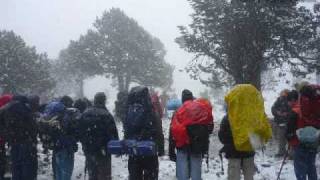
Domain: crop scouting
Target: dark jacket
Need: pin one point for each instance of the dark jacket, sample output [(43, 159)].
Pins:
[(96, 128), (281, 106), (19, 121), (225, 137)]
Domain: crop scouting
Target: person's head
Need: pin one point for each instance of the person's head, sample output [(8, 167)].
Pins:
[(122, 95), (140, 95), (284, 93), (67, 101), (20, 98), (80, 104), (88, 102), (186, 95), (100, 99), (308, 91), (301, 84), (292, 97), (34, 102)]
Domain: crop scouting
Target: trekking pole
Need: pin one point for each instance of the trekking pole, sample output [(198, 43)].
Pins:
[(283, 162), (207, 161), (221, 160)]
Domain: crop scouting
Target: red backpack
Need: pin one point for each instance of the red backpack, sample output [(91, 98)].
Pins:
[(193, 112), (310, 105)]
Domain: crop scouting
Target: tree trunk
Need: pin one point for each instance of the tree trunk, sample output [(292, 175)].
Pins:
[(127, 83), (121, 85), (81, 88), (318, 76)]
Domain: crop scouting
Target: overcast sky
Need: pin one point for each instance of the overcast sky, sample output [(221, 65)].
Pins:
[(51, 24)]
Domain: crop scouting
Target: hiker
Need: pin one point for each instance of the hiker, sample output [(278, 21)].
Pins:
[(21, 134), (142, 124), (121, 106), (280, 111), (5, 99), (96, 128), (245, 114), (157, 106), (81, 105), (190, 128), (59, 124), (164, 97), (304, 121)]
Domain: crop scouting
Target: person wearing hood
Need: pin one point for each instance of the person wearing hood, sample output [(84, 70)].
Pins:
[(21, 135), (96, 128)]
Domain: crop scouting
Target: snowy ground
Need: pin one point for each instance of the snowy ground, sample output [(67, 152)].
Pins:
[(267, 165)]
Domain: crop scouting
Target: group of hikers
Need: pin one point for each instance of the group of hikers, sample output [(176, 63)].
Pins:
[(62, 123), (297, 118)]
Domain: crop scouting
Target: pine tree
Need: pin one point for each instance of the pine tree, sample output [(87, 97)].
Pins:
[(238, 40)]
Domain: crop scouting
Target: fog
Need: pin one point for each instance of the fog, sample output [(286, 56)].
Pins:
[(50, 25)]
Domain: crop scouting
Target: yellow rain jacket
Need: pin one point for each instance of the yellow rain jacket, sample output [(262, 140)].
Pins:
[(248, 121)]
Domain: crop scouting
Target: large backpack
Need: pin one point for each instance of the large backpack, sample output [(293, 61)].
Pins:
[(58, 127), (139, 121), (93, 130), (310, 103)]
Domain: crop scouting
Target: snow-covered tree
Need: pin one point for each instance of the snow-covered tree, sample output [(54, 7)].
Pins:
[(78, 62), (22, 69), (129, 53), (238, 40)]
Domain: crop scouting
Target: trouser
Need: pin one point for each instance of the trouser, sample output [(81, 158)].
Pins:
[(2, 161), (304, 163), (188, 165), (99, 166), (236, 165), (282, 141), (24, 161), (143, 167), (62, 164)]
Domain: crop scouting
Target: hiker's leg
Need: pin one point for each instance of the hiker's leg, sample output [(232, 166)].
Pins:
[(182, 165), (29, 165), (104, 167), (282, 141), (151, 168), (248, 168), (91, 163), (195, 167), (234, 166), (300, 164), (2, 161), (135, 169), (312, 171)]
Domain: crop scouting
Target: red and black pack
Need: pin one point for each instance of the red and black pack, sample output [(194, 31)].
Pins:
[(310, 105)]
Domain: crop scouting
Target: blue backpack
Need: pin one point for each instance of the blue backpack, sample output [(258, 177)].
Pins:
[(135, 121), (63, 136), (132, 147), (173, 104)]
